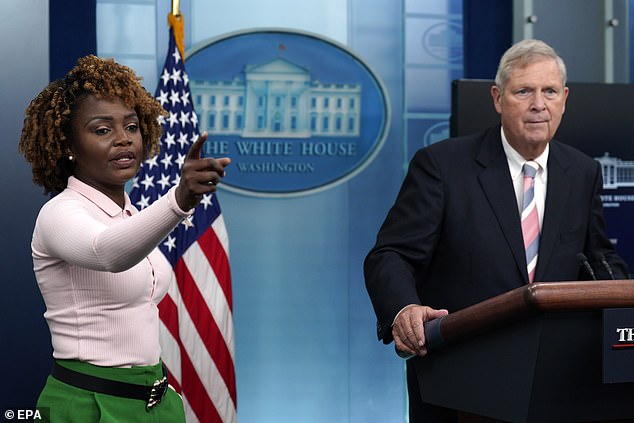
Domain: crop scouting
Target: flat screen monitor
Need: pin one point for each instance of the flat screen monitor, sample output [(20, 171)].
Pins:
[(599, 118)]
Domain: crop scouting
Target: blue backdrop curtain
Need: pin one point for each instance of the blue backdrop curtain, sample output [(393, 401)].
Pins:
[(488, 32), (72, 32)]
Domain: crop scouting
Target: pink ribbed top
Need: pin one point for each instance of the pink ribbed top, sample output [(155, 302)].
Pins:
[(101, 275)]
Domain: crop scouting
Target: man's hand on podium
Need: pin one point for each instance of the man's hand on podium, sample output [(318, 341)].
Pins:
[(408, 331)]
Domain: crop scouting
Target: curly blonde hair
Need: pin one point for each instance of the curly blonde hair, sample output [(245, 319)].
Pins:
[(46, 134)]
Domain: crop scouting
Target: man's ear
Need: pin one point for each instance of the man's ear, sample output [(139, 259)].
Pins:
[(496, 95), (566, 91)]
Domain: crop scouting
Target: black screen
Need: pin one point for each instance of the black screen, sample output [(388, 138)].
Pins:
[(599, 118)]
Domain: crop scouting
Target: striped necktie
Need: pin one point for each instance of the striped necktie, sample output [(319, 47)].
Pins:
[(530, 218)]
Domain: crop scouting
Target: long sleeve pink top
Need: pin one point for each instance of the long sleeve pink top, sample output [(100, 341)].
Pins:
[(102, 276)]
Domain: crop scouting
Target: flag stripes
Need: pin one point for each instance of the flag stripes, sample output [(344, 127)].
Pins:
[(201, 317)]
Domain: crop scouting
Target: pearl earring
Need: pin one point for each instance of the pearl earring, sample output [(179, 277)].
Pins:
[(71, 158)]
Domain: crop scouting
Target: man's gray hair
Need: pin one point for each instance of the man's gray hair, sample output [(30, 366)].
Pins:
[(523, 53)]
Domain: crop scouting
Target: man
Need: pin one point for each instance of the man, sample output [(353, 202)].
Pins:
[(459, 231)]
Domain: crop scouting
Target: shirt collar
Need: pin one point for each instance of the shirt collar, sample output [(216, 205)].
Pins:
[(100, 199), (516, 161)]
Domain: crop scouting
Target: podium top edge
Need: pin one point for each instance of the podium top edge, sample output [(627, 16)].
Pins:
[(579, 295), (535, 298)]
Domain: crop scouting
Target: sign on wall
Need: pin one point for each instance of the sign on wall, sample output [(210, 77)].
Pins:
[(296, 112)]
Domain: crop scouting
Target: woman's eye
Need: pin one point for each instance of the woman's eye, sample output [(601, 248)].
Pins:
[(102, 131), (133, 127)]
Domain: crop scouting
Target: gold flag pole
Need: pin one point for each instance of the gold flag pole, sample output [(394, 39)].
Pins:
[(176, 4), (176, 21)]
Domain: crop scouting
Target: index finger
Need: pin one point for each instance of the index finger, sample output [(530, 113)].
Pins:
[(194, 150)]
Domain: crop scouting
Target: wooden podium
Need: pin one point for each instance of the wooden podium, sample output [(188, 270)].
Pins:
[(533, 354)]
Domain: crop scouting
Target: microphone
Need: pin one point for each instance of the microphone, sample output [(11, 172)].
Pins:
[(586, 264), (605, 264)]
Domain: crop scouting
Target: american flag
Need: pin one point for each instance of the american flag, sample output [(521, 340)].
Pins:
[(196, 315)]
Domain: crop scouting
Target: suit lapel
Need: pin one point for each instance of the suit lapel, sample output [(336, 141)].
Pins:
[(497, 186), (557, 191)]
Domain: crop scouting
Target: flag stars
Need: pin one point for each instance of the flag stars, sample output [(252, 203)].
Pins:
[(148, 181), (177, 56), (164, 182), (180, 160), (170, 140), (170, 243), (188, 222), (182, 139), (162, 97), (184, 118), (206, 201), (173, 119), (143, 202), (152, 162), (176, 76), (185, 99), (174, 98), (165, 76), (194, 118), (166, 161)]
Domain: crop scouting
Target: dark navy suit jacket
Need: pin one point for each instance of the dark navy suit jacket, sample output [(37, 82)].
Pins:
[(453, 237)]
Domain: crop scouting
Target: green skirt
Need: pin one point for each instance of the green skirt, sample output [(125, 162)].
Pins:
[(63, 403)]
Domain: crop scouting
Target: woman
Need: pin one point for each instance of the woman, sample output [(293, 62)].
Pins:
[(94, 255)]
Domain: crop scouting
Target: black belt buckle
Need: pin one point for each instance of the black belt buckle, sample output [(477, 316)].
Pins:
[(157, 392)]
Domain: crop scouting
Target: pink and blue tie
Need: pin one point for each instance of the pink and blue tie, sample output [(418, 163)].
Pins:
[(530, 219)]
